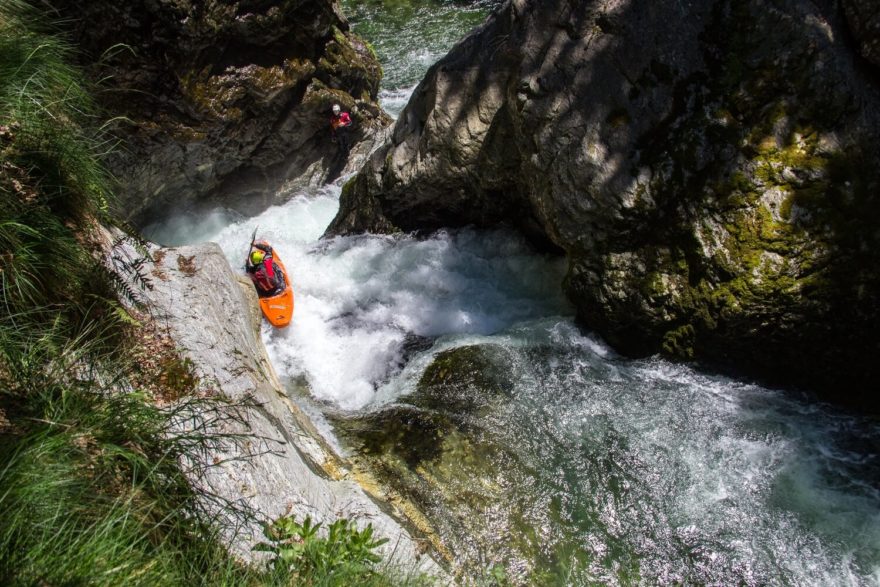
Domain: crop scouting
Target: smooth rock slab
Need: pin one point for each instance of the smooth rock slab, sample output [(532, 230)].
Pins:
[(212, 315)]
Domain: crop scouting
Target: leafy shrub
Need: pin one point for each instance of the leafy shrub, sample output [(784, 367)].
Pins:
[(343, 555)]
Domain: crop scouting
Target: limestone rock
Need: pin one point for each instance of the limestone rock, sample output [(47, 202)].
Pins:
[(222, 103), (710, 169), (284, 467)]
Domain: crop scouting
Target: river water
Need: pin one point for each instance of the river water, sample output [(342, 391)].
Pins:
[(576, 466)]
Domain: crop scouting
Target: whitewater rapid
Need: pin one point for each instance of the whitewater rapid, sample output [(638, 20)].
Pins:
[(687, 476), (358, 300), (615, 471)]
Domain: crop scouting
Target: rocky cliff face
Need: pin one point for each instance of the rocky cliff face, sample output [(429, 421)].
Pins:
[(709, 168), (281, 466), (224, 101)]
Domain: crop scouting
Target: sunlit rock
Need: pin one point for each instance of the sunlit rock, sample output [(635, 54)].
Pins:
[(270, 459)]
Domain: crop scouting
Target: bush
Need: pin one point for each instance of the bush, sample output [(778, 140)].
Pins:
[(344, 556)]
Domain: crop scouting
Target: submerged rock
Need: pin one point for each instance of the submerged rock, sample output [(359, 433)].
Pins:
[(443, 451), (221, 103), (710, 169)]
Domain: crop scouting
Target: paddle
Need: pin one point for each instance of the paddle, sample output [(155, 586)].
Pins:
[(247, 262)]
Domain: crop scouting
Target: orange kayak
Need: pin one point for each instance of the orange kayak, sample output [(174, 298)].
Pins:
[(278, 309)]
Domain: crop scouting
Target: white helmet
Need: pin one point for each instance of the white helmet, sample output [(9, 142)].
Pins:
[(336, 109)]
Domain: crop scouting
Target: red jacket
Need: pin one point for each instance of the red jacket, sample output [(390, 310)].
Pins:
[(265, 276), (342, 120)]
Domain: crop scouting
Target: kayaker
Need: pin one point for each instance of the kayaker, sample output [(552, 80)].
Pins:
[(340, 124), (263, 271)]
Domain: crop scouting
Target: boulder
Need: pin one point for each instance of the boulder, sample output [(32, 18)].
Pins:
[(710, 169), (224, 103), (443, 448)]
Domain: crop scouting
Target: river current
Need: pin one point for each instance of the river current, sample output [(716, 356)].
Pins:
[(609, 471)]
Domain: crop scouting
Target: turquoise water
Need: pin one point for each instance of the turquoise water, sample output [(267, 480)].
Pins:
[(410, 35), (588, 468)]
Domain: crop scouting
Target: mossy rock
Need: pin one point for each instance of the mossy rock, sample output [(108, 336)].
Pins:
[(349, 63), (464, 380), (405, 432)]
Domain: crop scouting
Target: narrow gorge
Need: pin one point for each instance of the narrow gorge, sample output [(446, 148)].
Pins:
[(593, 299), (710, 172)]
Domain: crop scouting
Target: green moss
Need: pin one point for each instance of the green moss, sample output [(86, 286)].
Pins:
[(187, 134), (459, 375), (740, 182), (225, 96), (654, 285), (781, 208), (339, 36), (785, 208), (349, 62), (371, 49), (679, 342)]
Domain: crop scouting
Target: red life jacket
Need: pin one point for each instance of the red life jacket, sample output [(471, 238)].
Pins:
[(265, 276), (342, 120)]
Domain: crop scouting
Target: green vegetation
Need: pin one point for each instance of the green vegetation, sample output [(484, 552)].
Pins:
[(51, 183), (91, 445), (90, 487), (345, 554)]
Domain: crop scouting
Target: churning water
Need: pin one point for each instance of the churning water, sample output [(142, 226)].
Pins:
[(360, 299), (616, 471), (601, 469)]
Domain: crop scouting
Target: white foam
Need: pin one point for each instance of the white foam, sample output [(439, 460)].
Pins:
[(357, 298), (747, 478), (393, 101)]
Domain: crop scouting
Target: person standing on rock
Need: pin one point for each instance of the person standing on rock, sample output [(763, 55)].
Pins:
[(340, 123)]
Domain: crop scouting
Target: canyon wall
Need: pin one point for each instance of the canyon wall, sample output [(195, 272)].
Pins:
[(710, 169), (223, 102)]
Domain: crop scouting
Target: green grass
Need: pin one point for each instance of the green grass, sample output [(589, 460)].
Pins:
[(53, 187), (91, 490), (91, 486)]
